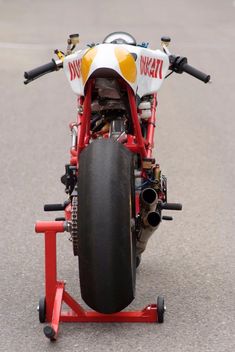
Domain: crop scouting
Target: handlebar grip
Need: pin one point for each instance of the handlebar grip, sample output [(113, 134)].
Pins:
[(41, 70), (196, 73)]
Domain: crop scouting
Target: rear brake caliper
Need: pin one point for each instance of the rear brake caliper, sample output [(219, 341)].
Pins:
[(69, 179)]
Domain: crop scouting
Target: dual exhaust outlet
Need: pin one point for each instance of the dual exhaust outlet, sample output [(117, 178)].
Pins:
[(152, 208), (151, 215), (148, 199)]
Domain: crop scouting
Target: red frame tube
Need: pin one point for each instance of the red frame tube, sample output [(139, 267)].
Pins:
[(136, 143), (151, 127), (84, 127), (138, 134)]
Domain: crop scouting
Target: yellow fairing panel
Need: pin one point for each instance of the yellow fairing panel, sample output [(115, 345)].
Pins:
[(87, 62), (127, 64)]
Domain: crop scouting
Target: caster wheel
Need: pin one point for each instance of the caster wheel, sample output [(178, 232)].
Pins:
[(160, 309), (138, 260), (42, 310), (49, 332)]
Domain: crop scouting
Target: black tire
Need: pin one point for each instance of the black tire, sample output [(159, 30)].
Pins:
[(42, 310), (160, 309), (138, 260), (106, 242)]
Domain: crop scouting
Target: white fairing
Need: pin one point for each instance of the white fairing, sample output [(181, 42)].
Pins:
[(150, 67)]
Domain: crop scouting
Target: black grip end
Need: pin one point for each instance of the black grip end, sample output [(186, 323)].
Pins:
[(41, 70), (195, 73), (207, 79), (179, 64)]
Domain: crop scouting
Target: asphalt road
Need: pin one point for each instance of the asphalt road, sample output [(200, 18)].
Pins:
[(191, 260)]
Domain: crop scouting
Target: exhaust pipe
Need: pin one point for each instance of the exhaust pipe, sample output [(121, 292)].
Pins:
[(148, 198), (152, 220), (150, 223)]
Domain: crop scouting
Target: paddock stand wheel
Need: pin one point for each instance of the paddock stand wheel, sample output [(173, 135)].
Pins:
[(49, 332), (161, 308), (42, 310)]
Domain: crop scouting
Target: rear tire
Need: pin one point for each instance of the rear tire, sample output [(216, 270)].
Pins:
[(106, 242)]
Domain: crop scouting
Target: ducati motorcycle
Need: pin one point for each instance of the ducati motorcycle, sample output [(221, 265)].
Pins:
[(116, 192)]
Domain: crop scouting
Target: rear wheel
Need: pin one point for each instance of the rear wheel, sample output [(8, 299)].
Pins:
[(106, 241)]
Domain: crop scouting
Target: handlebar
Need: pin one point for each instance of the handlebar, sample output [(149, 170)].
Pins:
[(180, 64), (41, 70)]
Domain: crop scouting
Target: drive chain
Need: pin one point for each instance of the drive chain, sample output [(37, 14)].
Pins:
[(74, 227)]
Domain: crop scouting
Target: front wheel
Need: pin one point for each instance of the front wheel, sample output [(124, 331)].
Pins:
[(107, 260)]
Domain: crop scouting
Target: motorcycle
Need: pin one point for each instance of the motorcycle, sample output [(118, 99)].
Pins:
[(116, 191)]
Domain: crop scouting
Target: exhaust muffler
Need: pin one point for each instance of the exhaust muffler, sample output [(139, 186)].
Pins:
[(150, 218), (150, 223)]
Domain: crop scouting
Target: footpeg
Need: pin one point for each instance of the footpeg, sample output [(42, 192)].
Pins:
[(171, 206), (56, 207), (168, 218)]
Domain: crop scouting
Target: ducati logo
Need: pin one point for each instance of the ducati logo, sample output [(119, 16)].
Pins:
[(75, 69), (151, 67)]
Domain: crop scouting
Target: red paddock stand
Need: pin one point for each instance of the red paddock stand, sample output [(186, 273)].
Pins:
[(50, 307)]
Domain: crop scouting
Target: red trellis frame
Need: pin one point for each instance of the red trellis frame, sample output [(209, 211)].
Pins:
[(56, 294), (136, 143)]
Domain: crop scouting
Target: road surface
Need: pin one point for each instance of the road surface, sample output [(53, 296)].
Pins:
[(191, 260)]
